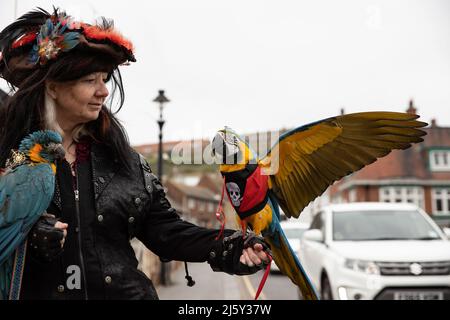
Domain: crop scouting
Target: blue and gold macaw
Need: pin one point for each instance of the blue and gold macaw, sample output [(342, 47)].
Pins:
[(299, 167), (26, 189)]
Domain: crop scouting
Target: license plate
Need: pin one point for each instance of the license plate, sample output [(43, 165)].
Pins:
[(418, 295)]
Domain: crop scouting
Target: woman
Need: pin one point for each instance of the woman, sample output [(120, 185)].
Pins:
[(105, 194)]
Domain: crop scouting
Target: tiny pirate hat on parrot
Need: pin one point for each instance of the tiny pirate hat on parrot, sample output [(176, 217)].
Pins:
[(39, 38)]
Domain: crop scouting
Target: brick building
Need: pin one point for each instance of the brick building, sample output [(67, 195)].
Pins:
[(196, 204), (152, 149)]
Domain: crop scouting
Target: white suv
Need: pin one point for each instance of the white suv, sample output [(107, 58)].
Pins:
[(293, 230), (376, 251)]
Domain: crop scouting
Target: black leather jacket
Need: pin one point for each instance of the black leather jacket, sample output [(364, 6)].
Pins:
[(114, 206)]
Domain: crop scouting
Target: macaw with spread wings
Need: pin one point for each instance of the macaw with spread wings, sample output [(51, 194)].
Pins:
[(299, 167)]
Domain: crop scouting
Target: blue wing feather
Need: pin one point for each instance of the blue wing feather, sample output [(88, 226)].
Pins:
[(285, 258), (25, 193)]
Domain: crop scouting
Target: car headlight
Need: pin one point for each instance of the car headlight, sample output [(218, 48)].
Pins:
[(368, 267)]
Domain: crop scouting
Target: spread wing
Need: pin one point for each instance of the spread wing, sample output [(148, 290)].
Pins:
[(310, 158)]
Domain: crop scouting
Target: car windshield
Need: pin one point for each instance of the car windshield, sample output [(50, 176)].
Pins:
[(294, 233), (381, 225)]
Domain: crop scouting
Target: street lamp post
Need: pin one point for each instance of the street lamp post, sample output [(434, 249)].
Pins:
[(161, 99)]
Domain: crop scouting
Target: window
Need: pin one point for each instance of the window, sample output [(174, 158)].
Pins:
[(352, 195), (338, 199), (441, 201), (369, 225), (210, 207), (191, 204), (440, 160), (402, 195)]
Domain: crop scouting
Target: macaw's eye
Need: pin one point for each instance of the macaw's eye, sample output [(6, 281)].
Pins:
[(231, 139)]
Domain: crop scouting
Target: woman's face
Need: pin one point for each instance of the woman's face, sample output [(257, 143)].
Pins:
[(81, 100)]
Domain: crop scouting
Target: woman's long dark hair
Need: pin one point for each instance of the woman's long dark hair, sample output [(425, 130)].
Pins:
[(24, 112)]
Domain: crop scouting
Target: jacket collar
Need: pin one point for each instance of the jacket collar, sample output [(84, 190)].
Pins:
[(104, 167)]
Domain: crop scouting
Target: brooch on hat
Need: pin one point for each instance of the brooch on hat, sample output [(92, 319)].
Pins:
[(52, 40), (34, 43)]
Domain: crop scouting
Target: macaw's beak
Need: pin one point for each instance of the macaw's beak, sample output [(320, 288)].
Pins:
[(217, 145), (223, 149), (58, 150)]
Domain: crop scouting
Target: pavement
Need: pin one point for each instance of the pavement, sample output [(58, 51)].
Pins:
[(209, 285)]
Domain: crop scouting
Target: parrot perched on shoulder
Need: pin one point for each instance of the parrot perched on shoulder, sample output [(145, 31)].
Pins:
[(299, 167), (26, 189)]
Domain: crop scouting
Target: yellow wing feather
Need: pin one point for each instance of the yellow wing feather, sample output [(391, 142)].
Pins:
[(312, 157)]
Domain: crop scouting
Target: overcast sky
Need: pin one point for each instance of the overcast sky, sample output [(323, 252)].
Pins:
[(262, 65)]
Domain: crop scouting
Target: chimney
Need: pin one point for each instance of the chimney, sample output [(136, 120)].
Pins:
[(342, 111), (411, 109), (433, 123)]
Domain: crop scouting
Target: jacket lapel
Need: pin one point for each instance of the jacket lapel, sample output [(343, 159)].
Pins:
[(104, 167)]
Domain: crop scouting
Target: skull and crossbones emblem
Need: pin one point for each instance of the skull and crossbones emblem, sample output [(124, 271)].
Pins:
[(235, 193)]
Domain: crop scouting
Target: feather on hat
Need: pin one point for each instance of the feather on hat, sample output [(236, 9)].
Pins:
[(38, 37)]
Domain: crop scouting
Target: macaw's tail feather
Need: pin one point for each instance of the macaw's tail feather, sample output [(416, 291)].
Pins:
[(5, 277), (289, 265), (17, 272)]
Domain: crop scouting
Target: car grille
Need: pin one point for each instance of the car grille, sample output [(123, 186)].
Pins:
[(414, 268)]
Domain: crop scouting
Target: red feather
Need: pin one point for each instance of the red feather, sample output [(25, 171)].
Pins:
[(96, 33), (25, 39)]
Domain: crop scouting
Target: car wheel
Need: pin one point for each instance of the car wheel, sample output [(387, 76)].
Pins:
[(325, 291)]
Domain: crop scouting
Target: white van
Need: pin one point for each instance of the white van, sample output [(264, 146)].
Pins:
[(376, 251)]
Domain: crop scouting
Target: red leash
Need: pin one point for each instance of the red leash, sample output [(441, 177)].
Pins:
[(264, 278)]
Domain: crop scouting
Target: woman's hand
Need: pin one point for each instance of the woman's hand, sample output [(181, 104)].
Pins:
[(240, 255), (63, 227), (47, 238), (254, 256)]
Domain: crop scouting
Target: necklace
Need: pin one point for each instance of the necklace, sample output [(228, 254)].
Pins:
[(72, 169), (73, 155)]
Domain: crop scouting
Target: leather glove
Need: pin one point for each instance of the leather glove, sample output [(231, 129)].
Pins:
[(226, 257), (45, 240)]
